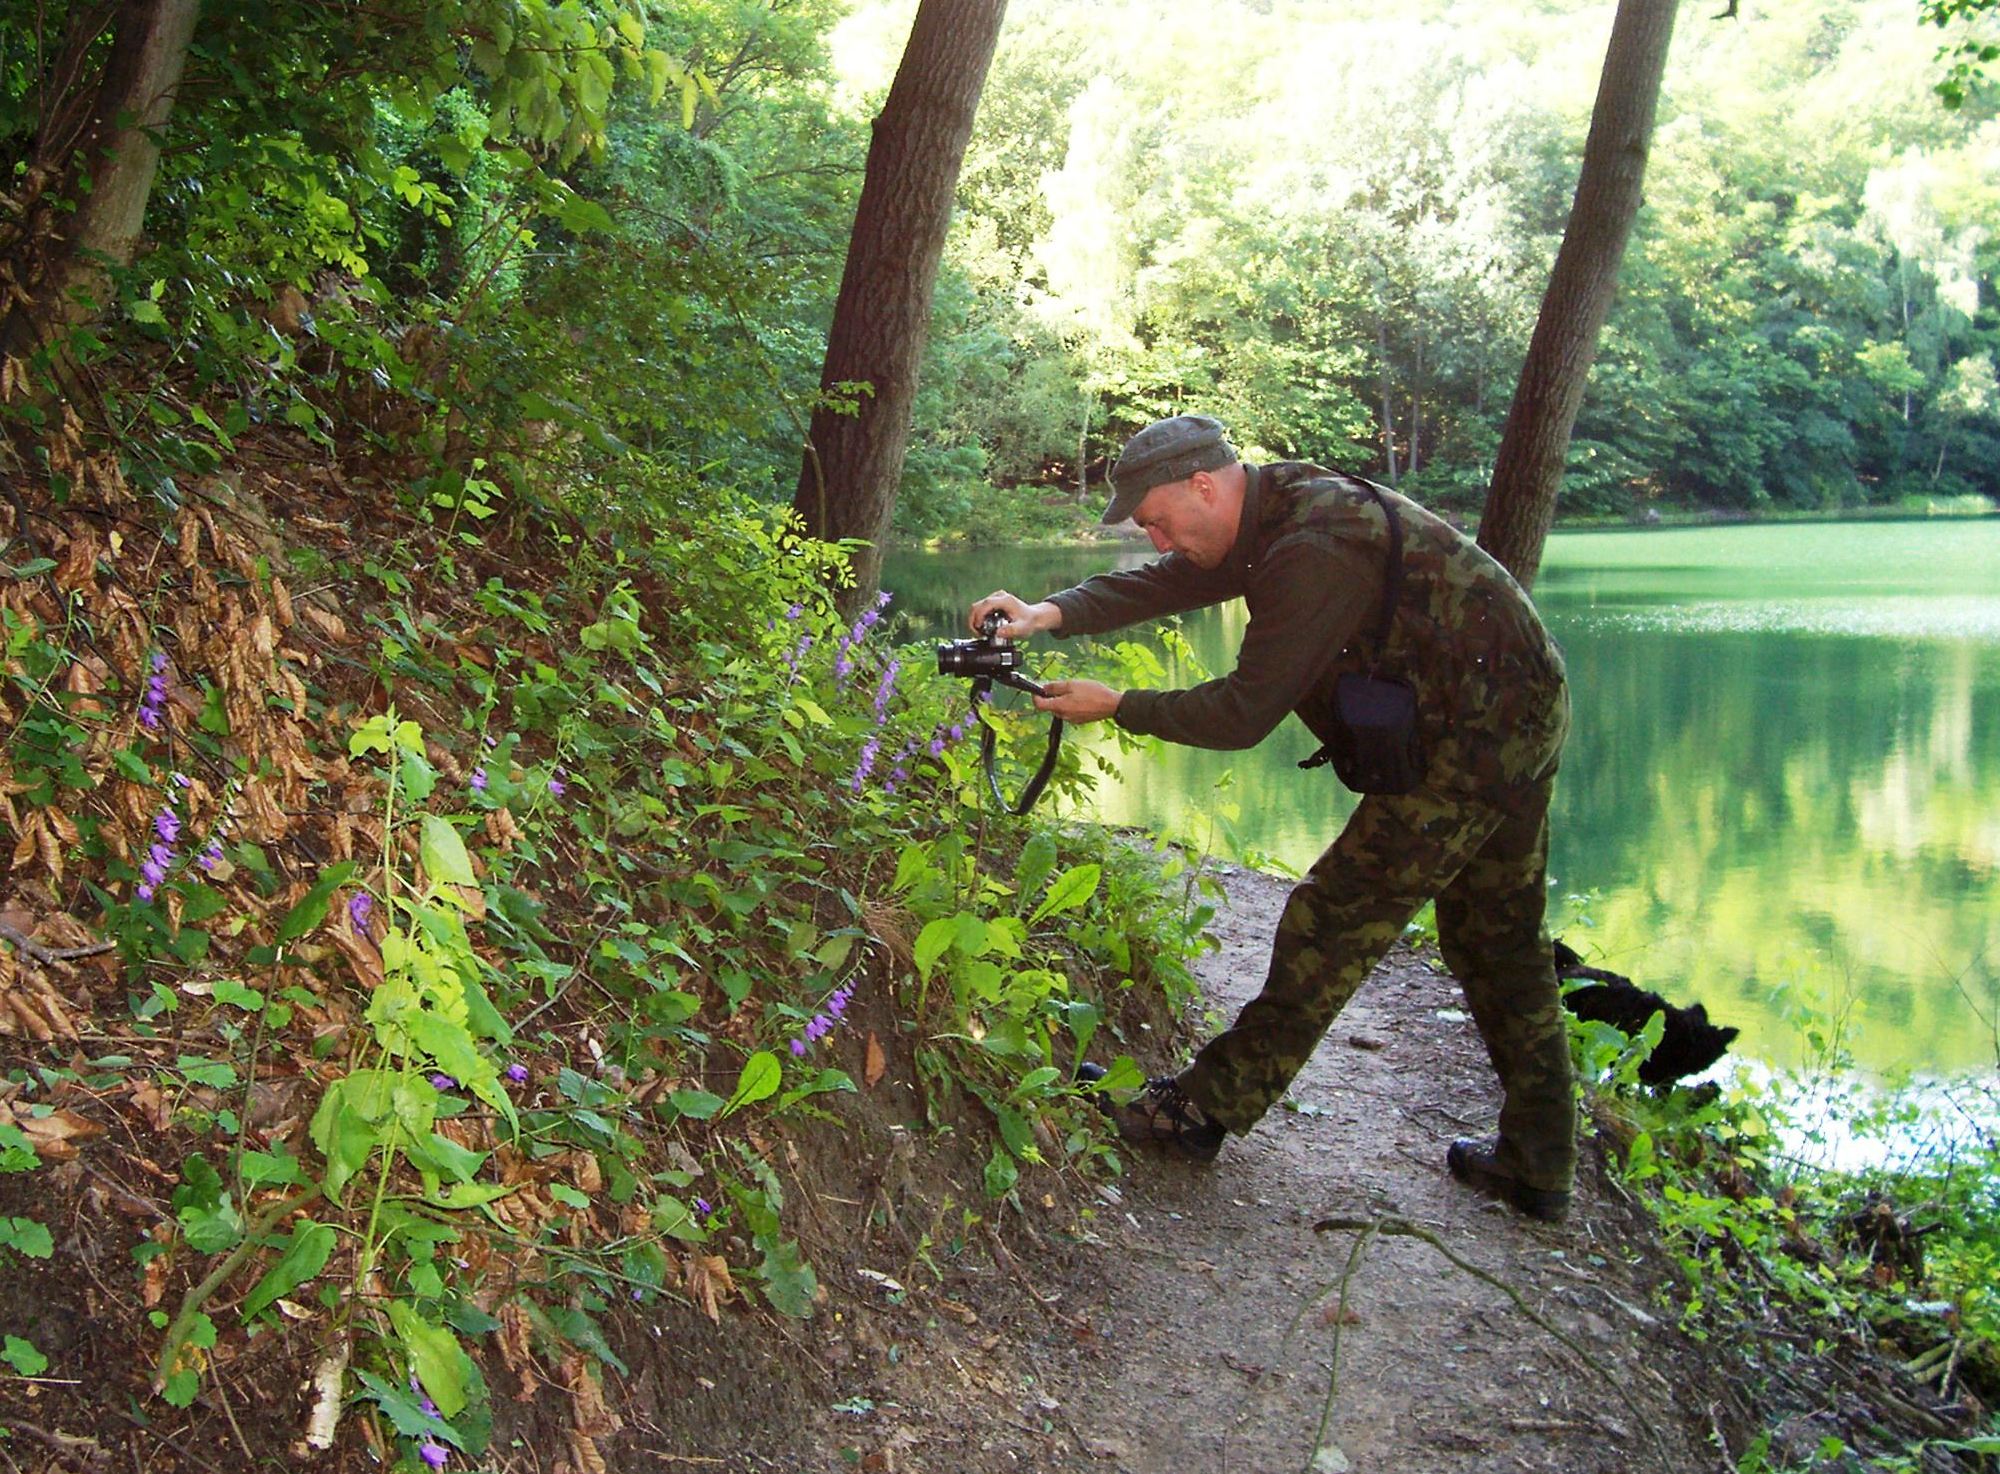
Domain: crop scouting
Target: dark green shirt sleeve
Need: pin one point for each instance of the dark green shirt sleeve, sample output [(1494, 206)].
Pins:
[(1310, 597), (1169, 585)]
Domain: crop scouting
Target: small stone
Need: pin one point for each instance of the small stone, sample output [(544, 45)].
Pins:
[(1330, 1460), (1367, 1041)]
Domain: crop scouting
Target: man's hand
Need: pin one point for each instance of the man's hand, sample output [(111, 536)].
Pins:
[(1022, 618), (1079, 701)]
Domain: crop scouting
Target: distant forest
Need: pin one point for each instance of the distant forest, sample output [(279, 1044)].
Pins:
[(1328, 223)]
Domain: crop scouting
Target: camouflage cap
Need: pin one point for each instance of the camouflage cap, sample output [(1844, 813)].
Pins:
[(1166, 450)]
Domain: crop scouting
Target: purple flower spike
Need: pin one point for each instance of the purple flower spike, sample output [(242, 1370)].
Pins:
[(517, 1072), (442, 1081), (703, 1207), (795, 611), (478, 780), (360, 907), (167, 824), (557, 788), (433, 1453), (798, 1049)]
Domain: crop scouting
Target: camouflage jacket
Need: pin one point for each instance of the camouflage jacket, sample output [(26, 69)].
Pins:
[(1309, 561)]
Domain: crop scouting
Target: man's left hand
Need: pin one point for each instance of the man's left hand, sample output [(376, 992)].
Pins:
[(1079, 701)]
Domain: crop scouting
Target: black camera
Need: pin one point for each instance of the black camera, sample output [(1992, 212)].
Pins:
[(987, 658)]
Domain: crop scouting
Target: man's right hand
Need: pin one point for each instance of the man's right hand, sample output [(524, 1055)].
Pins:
[(1021, 618)]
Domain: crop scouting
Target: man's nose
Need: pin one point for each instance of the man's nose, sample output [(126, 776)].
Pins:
[(1159, 539)]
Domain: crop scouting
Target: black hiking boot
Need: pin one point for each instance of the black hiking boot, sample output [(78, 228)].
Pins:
[(1475, 1163), (1160, 1115)]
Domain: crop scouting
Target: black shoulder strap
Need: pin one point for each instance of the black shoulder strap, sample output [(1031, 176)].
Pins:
[(1392, 585)]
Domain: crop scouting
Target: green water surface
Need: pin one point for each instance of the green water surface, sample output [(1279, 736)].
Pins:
[(1781, 797)]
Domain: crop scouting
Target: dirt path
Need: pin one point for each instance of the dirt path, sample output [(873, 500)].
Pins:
[(1191, 1328)]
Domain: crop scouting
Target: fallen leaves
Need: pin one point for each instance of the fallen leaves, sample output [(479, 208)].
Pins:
[(54, 1135)]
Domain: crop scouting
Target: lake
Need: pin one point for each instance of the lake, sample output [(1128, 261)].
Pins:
[(1781, 796)]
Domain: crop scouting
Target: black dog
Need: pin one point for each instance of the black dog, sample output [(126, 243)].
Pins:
[(1690, 1044)]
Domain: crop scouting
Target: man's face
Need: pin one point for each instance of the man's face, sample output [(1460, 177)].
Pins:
[(1188, 517)]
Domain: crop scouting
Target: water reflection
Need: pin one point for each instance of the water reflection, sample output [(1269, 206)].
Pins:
[(1782, 797)]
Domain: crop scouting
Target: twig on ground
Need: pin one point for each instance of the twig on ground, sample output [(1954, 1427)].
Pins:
[(1368, 1227), (29, 947)]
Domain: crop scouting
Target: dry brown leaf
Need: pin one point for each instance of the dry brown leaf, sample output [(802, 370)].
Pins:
[(24, 847), (151, 1104), (79, 564), (876, 1064), (282, 598), (709, 1284), (63, 826), (52, 858), (327, 624), (54, 1137), (517, 1351)]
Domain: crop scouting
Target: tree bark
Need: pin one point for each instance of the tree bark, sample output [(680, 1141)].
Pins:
[(62, 262), (1388, 398), (1527, 471), (854, 460)]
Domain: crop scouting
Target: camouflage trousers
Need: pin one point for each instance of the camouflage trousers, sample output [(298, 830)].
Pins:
[(1486, 865)]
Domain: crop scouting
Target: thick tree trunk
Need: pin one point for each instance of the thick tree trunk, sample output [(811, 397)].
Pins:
[(106, 167), (1527, 472), (853, 461)]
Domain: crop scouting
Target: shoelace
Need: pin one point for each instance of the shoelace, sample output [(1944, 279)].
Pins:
[(1171, 1101)]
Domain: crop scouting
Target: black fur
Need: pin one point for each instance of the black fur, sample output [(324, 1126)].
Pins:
[(1690, 1043)]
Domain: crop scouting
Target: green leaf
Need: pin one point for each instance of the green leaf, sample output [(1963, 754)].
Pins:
[(580, 216), (264, 1169), (311, 909), (228, 990), (700, 1105), (789, 1282), (760, 1079), (934, 941), (211, 1228), (1001, 1174), (435, 1357), (23, 1357), (216, 1073), (444, 857), (472, 1194), (25, 1236), (305, 1255), (403, 1411), (1071, 889), (911, 866), (676, 1220)]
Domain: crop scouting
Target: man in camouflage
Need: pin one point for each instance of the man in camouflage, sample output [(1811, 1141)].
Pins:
[(1306, 549)]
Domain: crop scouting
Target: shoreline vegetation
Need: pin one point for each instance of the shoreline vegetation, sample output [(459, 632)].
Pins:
[(1088, 533)]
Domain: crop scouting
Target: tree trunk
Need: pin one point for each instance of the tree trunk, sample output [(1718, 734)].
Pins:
[(62, 263), (1417, 405), (853, 461), (1083, 449), (1388, 401), (1527, 472)]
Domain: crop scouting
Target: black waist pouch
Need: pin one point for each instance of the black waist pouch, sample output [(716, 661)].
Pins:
[(1374, 748)]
